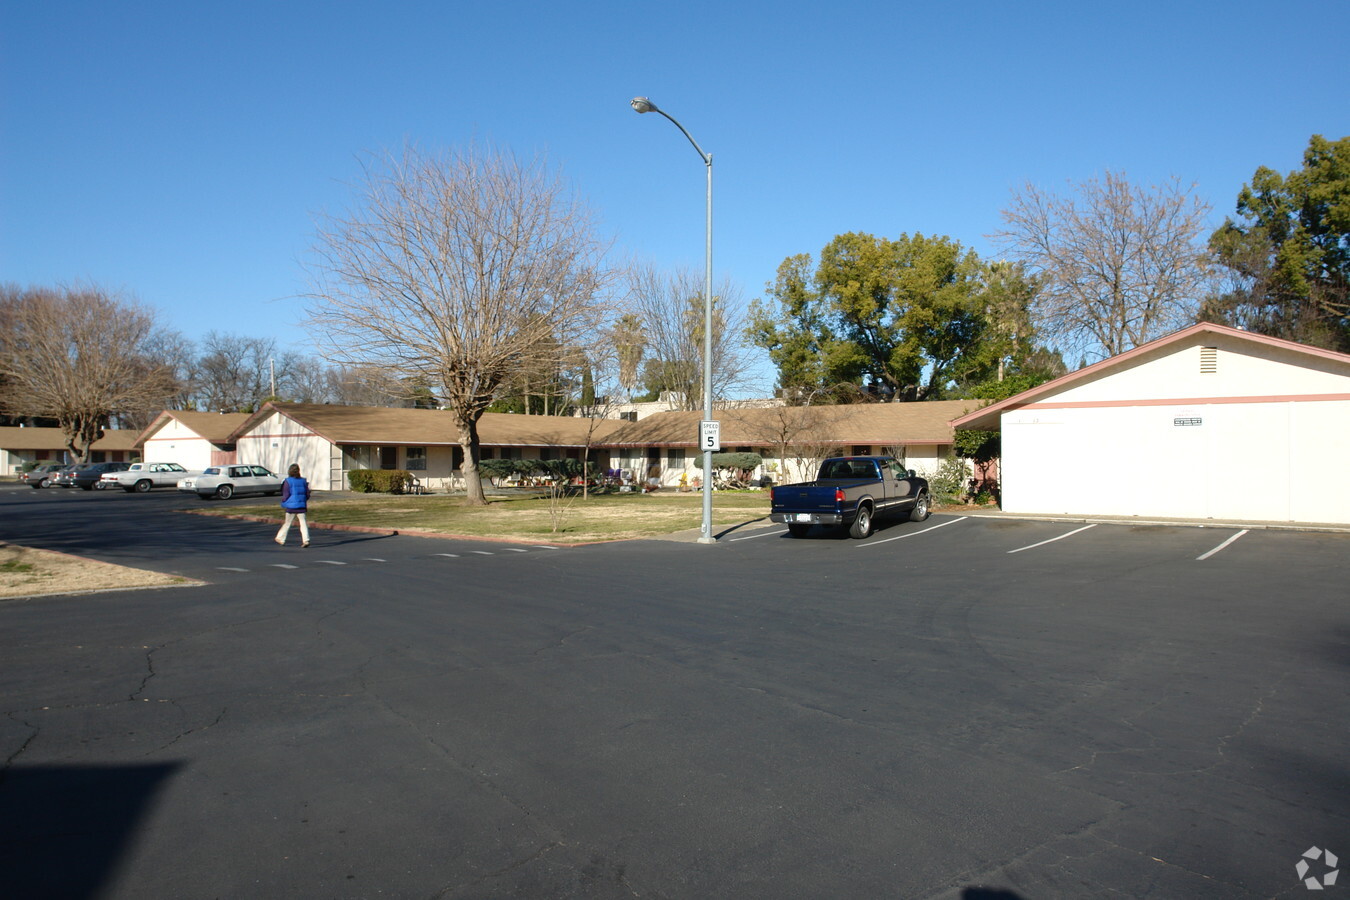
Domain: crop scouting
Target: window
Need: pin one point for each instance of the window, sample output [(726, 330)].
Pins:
[(261, 472), (545, 453), (485, 453), (417, 459), (675, 459)]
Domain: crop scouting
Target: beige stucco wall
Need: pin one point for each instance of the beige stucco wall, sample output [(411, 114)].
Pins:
[(175, 442), (277, 441), (1236, 457), (924, 459), (12, 461), (1242, 369)]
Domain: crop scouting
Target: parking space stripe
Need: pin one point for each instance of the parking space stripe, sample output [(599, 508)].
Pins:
[(373, 559), (283, 566), (750, 537), (1205, 556), (329, 562), (901, 537), (481, 552), (451, 555), (1053, 539), (230, 569)]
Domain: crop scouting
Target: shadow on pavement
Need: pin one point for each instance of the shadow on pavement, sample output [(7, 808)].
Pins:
[(64, 829)]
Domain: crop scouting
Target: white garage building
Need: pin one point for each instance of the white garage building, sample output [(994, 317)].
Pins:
[(1208, 422)]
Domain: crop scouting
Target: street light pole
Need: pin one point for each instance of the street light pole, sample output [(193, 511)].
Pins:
[(643, 105)]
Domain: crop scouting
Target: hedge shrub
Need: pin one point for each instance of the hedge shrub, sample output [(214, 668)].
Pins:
[(379, 481)]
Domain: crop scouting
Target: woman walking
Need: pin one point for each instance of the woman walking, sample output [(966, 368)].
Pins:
[(294, 499)]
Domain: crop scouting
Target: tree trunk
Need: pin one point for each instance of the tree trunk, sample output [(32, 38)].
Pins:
[(81, 433), (473, 481)]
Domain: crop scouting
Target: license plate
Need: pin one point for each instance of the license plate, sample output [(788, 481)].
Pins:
[(803, 517)]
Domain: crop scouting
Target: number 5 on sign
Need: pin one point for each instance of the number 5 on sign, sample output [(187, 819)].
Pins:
[(710, 436)]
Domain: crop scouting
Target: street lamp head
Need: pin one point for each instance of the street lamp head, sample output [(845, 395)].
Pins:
[(642, 105)]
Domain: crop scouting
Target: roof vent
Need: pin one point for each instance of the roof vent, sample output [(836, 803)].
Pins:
[(1209, 360)]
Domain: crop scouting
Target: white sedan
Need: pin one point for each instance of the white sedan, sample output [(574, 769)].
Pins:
[(223, 482)]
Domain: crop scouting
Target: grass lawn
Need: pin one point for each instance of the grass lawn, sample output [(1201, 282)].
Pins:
[(570, 520)]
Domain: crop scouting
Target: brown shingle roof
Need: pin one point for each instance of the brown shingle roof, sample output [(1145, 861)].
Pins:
[(876, 424), (432, 427), (218, 428), (14, 438)]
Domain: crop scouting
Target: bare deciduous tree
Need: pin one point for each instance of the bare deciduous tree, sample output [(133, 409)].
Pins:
[(365, 386), (668, 311), (456, 267), (81, 356), (1119, 264), (234, 372)]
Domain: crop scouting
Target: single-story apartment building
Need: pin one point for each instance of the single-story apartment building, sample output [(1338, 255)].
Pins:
[(20, 445), (792, 439), (194, 440), (329, 441), (1209, 422)]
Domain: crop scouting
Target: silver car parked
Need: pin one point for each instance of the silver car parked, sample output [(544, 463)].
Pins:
[(223, 482)]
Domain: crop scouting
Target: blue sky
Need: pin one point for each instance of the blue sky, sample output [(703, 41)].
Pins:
[(180, 151)]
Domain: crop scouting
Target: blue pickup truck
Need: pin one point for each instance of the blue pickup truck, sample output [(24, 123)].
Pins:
[(851, 491)]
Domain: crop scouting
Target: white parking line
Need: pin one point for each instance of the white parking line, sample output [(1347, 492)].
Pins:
[(481, 552), (283, 566), (451, 555), (516, 550), (373, 559), (751, 537), (329, 562), (1221, 546), (901, 537), (1053, 539), (230, 569)]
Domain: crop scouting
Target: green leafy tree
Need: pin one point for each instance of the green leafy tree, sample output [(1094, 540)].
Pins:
[(1288, 258), (906, 315)]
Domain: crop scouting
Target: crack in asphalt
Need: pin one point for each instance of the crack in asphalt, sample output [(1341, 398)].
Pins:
[(214, 722), (9, 761)]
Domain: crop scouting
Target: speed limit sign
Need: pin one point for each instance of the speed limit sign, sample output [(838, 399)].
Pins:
[(710, 436)]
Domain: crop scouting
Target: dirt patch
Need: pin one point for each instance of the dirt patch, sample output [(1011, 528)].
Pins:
[(25, 572)]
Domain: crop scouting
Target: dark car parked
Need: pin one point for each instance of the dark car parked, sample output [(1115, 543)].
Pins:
[(89, 477), (66, 476)]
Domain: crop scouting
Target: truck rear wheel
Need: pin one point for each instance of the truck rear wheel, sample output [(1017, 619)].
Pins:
[(862, 525), (798, 530)]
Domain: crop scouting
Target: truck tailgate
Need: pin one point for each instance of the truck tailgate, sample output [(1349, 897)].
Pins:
[(804, 498)]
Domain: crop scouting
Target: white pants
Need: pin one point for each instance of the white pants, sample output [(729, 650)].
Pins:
[(286, 528)]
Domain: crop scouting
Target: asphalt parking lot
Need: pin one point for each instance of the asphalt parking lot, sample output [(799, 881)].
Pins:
[(962, 707)]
